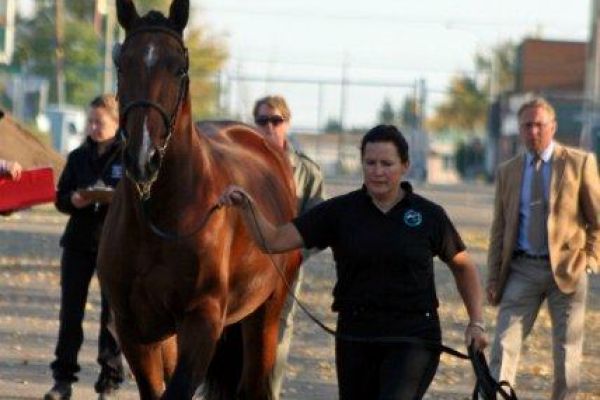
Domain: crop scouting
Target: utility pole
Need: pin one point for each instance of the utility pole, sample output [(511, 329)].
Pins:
[(343, 92), (99, 6), (493, 78), (60, 55), (421, 103), (109, 34), (320, 108)]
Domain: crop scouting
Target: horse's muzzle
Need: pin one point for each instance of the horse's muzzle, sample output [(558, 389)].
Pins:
[(141, 172)]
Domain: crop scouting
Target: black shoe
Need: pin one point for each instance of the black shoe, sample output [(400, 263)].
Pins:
[(107, 387), (60, 391), (108, 394)]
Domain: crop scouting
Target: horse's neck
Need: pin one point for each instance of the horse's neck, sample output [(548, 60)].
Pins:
[(186, 164)]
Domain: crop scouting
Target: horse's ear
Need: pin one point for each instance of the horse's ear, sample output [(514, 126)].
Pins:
[(126, 13), (179, 14)]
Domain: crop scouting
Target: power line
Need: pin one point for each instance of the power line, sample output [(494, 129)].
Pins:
[(326, 81), (456, 23), (355, 64)]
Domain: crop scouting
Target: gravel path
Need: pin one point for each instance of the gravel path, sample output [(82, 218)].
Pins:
[(29, 299)]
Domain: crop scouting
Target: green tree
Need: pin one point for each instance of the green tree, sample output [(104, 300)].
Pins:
[(83, 10), (333, 126), (35, 50), (465, 108), (207, 57), (160, 5), (466, 105), (408, 113), (499, 66), (386, 113), (84, 52)]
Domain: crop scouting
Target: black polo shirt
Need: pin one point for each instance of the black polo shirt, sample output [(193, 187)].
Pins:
[(384, 261)]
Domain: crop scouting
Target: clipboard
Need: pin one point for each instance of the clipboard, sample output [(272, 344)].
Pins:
[(36, 186), (97, 194)]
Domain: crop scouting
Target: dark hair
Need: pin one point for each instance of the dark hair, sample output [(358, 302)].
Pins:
[(386, 133)]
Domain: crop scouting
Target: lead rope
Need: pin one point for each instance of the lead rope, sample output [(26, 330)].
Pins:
[(163, 234)]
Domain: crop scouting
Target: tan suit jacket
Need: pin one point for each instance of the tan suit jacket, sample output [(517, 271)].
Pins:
[(573, 220)]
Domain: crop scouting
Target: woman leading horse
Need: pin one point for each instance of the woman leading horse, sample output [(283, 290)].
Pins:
[(195, 301)]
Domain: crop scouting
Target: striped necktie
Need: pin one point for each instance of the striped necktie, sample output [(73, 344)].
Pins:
[(538, 210)]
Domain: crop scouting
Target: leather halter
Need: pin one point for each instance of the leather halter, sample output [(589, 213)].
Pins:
[(169, 120)]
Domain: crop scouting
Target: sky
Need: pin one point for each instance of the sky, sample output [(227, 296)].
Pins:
[(394, 43), (303, 49)]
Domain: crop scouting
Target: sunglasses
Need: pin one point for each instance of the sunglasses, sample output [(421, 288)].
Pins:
[(263, 120)]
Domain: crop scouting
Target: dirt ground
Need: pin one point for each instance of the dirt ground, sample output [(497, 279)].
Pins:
[(29, 301)]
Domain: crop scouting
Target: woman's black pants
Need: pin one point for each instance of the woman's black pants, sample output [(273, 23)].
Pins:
[(382, 371), (77, 269)]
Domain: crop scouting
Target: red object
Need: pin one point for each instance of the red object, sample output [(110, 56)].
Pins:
[(36, 186)]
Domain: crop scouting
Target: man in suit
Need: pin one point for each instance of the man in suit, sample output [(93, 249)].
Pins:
[(545, 239)]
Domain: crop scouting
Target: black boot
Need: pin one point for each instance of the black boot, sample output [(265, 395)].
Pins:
[(60, 391), (107, 386)]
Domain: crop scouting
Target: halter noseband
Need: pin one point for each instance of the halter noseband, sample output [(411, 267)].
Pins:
[(168, 119)]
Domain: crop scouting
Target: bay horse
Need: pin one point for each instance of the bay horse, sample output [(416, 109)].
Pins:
[(195, 302)]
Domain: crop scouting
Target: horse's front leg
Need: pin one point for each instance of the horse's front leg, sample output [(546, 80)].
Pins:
[(197, 335), (145, 361), (169, 357), (260, 333)]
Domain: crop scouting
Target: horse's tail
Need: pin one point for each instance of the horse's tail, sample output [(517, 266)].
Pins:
[(225, 370)]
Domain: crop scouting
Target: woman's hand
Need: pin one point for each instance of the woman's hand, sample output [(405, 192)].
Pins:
[(270, 238), (234, 196), (14, 170), (79, 201), (475, 333)]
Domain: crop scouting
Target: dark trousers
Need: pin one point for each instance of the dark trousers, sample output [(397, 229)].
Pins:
[(77, 269), (382, 371)]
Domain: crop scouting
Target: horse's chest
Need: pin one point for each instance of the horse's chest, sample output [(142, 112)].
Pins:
[(161, 288)]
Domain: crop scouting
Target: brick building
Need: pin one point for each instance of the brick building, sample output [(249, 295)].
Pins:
[(548, 65), (553, 69)]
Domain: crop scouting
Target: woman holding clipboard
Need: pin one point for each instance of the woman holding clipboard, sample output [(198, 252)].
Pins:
[(92, 168)]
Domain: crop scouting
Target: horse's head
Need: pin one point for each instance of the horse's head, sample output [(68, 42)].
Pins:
[(152, 66)]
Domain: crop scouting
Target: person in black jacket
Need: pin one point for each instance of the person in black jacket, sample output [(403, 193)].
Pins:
[(96, 164), (384, 238)]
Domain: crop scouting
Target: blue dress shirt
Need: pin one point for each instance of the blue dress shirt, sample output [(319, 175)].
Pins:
[(525, 199)]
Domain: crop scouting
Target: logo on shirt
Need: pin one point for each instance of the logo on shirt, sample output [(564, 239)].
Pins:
[(116, 171), (413, 218)]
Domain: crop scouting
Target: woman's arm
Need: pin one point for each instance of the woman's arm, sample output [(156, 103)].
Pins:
[(270, 238), (467, 280), (67, 199)]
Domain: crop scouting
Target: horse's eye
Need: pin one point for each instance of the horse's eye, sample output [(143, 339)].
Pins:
[(181, 71)]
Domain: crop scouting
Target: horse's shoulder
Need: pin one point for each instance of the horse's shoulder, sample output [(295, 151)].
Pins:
[(231, 136), (212, 129)]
